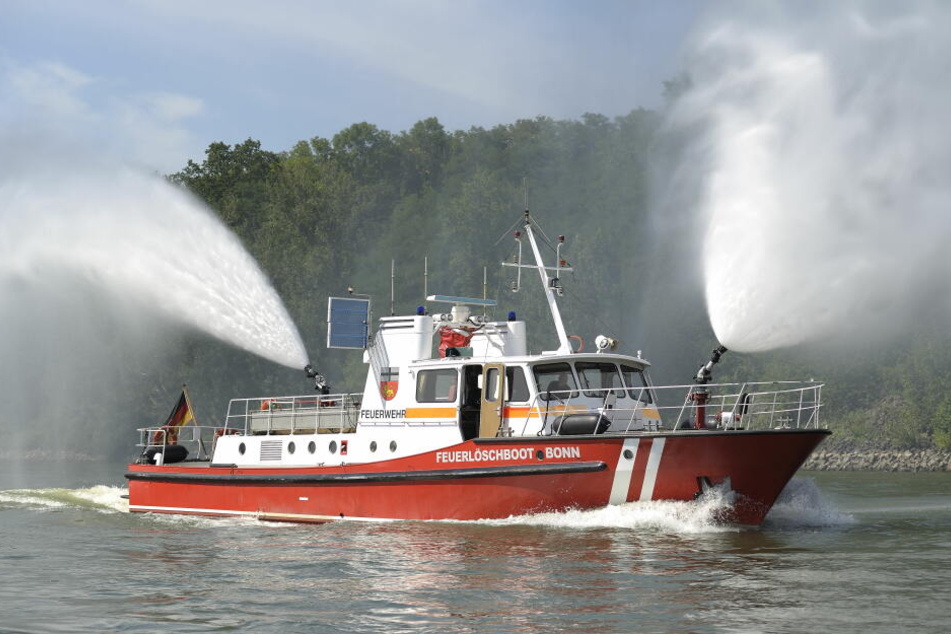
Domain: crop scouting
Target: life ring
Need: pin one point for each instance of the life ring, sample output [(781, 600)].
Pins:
[(165, 436), (580, 343)]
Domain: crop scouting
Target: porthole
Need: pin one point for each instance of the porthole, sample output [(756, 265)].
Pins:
[(628, 454), (333, 446), (373, 446), (291, 447), (242, 449), (392, 445), (312, 447), (540, 454)]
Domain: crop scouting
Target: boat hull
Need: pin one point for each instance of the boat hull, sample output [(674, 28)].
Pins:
[(492, 478)]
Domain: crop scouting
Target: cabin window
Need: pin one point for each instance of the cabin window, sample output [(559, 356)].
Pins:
[(491, 389), (597, 378), (437, 386), (636, 383), (555, 381), (517, 385)]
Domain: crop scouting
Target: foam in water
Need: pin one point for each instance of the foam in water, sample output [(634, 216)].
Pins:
[(142, 242), (802, 504), (102, 498), (699, 516), (820, 138)]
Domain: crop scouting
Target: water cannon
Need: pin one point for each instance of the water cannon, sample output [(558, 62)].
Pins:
[(320, 384), (700, 394), (704, 374)]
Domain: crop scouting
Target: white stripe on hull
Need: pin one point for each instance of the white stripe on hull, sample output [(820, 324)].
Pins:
[(623, 472), (653, 463)]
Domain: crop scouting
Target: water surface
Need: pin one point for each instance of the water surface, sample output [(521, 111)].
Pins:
[(841, 552)]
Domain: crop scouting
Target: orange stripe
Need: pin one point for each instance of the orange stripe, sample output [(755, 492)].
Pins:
[(534, 412), (562, 409), (431, 412)]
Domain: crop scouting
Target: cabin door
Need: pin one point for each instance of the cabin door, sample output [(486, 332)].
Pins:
[(493, 391)]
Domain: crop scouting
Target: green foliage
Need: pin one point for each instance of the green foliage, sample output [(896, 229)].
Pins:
[(231, 181)]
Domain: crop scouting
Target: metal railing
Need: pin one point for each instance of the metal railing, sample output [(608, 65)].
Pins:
[(330, 413), (747, 406), (198, 440), (759, 405)]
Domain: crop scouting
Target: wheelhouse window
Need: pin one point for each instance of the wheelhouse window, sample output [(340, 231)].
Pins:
[(555, 381), (636, 383), (516, 384), (597, 378), (437, 386), (490, 390)]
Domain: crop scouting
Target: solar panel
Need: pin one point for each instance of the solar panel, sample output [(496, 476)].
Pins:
[(348, 322)]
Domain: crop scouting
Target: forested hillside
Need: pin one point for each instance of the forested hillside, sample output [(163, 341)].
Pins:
[(329, 214)]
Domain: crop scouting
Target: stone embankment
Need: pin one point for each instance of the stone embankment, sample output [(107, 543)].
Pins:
[(880, 460)]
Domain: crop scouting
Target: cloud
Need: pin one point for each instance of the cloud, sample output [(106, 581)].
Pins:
[(54, 100), (45, 90), (292, 69), (531, 58)]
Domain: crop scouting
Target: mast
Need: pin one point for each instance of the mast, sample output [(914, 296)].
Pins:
[(551, 285)]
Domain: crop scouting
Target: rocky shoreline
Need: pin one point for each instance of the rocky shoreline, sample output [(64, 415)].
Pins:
[(912, 460)]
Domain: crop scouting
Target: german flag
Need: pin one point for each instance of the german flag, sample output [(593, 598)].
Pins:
[(182, 413)]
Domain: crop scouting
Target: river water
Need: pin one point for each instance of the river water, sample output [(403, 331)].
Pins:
[(841, 552)]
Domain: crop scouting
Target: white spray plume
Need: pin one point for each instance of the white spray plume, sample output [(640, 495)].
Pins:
[(142, 243), (825, 155)]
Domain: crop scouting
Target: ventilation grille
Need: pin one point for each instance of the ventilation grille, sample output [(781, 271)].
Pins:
[(271, 449)]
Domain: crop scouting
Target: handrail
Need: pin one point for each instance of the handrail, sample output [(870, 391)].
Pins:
[(293, 414), (197, 437), (751, 406), (728, 406)]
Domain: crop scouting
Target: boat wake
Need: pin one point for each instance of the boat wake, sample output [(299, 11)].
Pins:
[(110, 499), (102, 498), (700, 516), (801, 505)]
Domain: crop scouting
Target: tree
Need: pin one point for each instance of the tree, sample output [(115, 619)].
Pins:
[(232, 181)]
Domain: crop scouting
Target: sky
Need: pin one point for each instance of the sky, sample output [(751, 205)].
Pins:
[(154, 82)]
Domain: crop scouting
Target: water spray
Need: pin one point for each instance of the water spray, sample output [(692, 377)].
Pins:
[(808, 157), (102, 264)]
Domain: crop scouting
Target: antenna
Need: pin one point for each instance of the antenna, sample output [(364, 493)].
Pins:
[(485, 286), (392, 287), (517, 263)]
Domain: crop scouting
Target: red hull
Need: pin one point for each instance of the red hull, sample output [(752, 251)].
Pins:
[(492, 478)]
